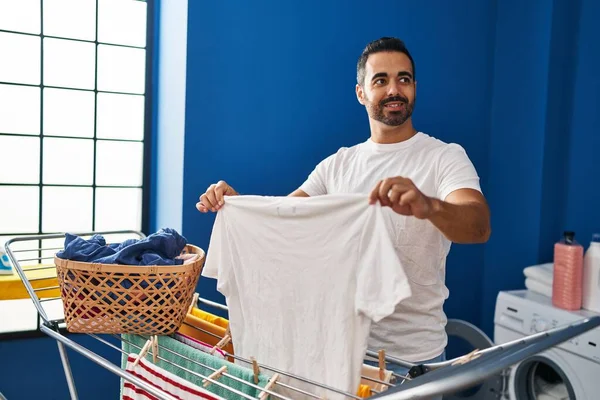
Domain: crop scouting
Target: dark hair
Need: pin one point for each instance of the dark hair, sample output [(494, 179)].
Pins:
[(377, 46)]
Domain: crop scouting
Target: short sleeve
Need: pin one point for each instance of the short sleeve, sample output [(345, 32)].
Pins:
[(455, 171), (218, 257), (316, 183), (381, 280)]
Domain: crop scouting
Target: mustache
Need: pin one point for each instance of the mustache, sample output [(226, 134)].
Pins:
[(394, 98)]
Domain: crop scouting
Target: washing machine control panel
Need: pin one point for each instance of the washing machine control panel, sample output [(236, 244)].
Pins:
[(529, 314)]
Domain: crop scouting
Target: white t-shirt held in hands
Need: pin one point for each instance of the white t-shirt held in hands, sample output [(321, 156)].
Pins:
[(303, 279), (416, 331)]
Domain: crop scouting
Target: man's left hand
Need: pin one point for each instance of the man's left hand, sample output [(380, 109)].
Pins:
[(403, 197)]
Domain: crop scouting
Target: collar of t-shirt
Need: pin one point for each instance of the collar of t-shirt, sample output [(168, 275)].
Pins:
[(383, 148)]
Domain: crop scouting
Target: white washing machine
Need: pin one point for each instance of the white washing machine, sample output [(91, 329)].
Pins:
[(568, 371)]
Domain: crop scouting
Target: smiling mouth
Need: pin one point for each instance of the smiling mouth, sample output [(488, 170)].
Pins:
[(394, 105)]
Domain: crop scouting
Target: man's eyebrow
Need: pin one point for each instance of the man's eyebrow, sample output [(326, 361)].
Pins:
[(379, 75), (384, 75), (405, 73)]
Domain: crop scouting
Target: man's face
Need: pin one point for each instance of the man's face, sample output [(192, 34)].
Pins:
[(388, 92)]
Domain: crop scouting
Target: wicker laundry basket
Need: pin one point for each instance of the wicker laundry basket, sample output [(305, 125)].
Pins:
[(115, 298)]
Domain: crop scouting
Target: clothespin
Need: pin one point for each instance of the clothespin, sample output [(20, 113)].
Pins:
[(154, 348), (194, 302), (268, 386), (143, 352), (215, 375), (381, 354), (255, 369), (467, 357), (222, 343)]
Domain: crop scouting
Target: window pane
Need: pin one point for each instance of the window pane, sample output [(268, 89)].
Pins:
[(119, 163), (20, 15), (118, 209), (23, 51), (70, 18), (66, 209), (121, 69), (122, 22), (68, 112), (19, 159), (16, 248), (19, 109), (120, 116), (20, 209), (53, 246), (68, 161), (69, 63), (17, 316)]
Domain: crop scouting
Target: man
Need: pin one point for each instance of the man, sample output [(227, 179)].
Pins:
[(429, 188)]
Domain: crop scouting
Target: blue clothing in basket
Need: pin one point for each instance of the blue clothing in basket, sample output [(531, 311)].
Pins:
[(159, 248)]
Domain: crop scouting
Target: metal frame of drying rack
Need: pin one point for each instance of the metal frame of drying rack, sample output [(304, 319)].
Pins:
[(423, 380)]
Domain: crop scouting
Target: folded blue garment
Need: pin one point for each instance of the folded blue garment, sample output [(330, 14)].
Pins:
[(159, 248)]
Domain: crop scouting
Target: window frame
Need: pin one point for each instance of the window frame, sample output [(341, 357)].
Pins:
[(149, 130)]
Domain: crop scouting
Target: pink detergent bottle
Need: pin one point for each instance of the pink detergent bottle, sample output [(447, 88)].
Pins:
[(568, 273)]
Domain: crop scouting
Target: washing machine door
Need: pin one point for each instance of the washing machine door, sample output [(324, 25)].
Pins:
[(544, 376), (474, 338)]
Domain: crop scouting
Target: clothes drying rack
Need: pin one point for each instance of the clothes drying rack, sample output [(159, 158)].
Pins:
[(423, 380)]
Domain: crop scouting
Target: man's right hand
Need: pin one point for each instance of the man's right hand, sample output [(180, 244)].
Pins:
[(212, 200)]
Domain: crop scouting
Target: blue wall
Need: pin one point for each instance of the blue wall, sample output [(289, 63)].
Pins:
[(534, 63), (270, 93), (31, 369), (583, 194)]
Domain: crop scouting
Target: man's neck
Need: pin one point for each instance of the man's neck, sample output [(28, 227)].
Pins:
[(384, 134)]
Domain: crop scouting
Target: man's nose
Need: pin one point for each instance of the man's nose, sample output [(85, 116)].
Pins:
[(393, 88)]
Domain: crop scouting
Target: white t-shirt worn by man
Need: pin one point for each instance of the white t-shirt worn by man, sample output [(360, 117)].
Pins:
[(416, 331), (303, 279)]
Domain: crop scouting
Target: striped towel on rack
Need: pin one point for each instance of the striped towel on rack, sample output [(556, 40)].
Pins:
[(181, 355), (163, 380)]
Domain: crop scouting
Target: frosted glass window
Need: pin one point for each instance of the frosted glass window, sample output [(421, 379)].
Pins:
[(23, 51), (122, 22), (53, 246), (74, 19), (21, 313), (20, 209), (19, 109), (120, 116), (120, 237), (69, 63), (16, 248), (68, 112), (19, 159), (20, 15), (121, 69), (66, 209), (118, 209), (119, 163), (68, 161)]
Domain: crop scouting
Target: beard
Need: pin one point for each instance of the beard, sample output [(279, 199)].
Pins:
[(391, 118)]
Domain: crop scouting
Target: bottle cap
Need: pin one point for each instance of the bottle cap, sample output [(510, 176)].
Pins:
[(569, 236), (596, 237)]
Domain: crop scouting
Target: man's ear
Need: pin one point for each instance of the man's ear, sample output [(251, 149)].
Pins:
[(360, 94)]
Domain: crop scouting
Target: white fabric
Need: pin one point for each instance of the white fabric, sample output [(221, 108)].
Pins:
[(543, 273), (416, 331), (538, 287), (303, 279), (369, 371)]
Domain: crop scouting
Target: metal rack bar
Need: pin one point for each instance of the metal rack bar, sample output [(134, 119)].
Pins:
[(103, 363), (459, 377)]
